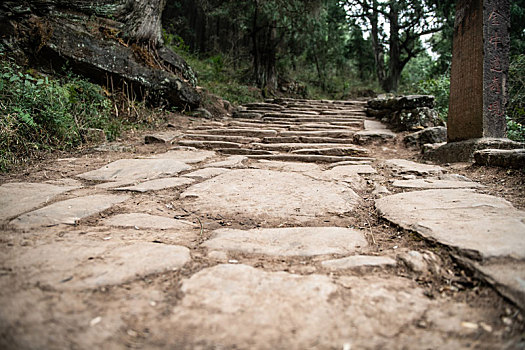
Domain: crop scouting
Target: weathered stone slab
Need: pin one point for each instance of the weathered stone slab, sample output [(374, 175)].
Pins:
[(230, 162), (357, 261), (229, 138), (136, 169), (372, 136), (161, 137), (157, 185), (370, 125), (186, 155), (270, 194), (289, 147), (295, 241), (351, 169), (313, 158), (286, 166), (463, 151), (334, 151), (503, 158), (206, 173), (243, 132), (476, 224), (320, 133), (307, 139), (436, 134), (219, 305), (429, 183), (508, 278), (20, 197), (68, 211), (322, 126), (142, 220), (402, 166), (209, 144), (91, 264)]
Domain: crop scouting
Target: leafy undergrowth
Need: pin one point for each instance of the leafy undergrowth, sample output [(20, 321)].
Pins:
[(41, 114)]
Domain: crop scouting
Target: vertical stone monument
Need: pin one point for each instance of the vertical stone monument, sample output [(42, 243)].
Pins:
[(480, 63), (478, 81)]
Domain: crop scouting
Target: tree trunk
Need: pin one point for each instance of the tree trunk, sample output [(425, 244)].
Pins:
[(118, 41), (378, 47), (394, 72)]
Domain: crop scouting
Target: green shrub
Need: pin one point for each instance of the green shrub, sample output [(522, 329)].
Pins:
[(39, 113), (516, 105), (439, 87)]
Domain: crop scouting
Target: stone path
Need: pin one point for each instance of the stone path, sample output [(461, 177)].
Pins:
[(286, 226)]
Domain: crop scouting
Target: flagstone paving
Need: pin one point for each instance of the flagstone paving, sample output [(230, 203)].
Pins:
[(294, 241), (17, 198), (253, 193), (287, 235)]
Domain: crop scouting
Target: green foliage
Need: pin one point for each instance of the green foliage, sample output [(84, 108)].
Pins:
[(38, 113), (439, 87), (216, 73), (517, 27), (516, 105)]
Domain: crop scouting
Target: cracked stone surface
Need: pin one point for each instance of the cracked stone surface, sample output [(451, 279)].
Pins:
[(435, 184), (358, 261), (90, 264), (403, 166), (156, 185), (19, 197), (230, 162), (68, 211), (141, 220), (295, 241), (219, 305), (290, 196), (206, 173), (136, 169), (480, 224), (188, 156)]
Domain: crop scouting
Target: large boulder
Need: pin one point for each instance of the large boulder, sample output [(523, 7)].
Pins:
[(116, 43)]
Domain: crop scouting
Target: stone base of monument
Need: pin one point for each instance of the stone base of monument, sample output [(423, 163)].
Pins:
[(506, 158), (463, 151)]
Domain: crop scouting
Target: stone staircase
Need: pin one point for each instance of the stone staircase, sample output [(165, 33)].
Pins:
[(291, 130)]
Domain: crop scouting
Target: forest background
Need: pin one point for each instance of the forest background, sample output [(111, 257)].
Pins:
[(249, 50)]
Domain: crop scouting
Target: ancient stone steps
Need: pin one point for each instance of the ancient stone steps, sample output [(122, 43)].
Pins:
[(290, 147), (321, 126), (209, 144), (244, 151), (333, 151), (335, 121), (307, 139), (249, 132), (320, 133), (309, 158), (229, 138)]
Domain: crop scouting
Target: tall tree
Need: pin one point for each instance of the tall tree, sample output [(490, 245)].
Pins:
[(396, 28)]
